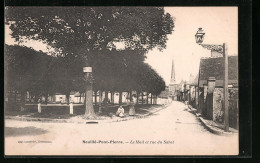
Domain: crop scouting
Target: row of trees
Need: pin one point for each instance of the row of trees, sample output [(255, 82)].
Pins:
[(43, 75)]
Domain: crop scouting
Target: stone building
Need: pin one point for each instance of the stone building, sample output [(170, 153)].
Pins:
[(210, 88)]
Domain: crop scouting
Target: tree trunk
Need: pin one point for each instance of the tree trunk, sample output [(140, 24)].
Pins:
[(46, 98), (23, 97), (11, 96), (68, 97), (128, 97), (79, 97), (120, 98), (22, 104), (15, 96), (101, 97), (100, 102), (137, 97), (131, 96), (35, 98), (142, 97), (151, 98), (188, 97), (85, 97), (30, 98), (95, 97), (147, 97), (89, 110), (112, 98), (106, 98)]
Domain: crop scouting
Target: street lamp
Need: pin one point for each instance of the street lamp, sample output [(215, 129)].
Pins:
[(222, 49), (199, 36)]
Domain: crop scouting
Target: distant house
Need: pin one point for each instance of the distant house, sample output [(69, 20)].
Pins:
[(61, 98), (78, 98), (193, 90), (210, 84), (181, 91), (165, 94)]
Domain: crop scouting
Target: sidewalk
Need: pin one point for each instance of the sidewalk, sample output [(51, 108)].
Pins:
[(141, 113), (212, 126)]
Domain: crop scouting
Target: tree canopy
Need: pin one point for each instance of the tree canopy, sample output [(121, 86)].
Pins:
[(72, 29), (26, 69)]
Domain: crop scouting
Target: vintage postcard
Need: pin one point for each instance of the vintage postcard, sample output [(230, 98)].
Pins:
[(121, 81)]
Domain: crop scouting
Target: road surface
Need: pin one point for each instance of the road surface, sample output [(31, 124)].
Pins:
[(171, 131)]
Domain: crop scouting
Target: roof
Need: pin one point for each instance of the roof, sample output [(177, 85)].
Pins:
[(182, 82), (77, 94), (214, 67), (59, 93)]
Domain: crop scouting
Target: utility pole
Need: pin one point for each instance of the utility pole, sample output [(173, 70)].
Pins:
[(225, 91)]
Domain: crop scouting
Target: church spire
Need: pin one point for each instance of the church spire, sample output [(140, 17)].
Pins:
[(173, 74)]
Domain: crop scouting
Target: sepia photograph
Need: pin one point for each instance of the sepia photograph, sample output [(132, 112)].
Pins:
[(121, 81)]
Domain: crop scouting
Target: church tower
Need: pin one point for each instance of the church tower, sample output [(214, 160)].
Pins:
[(173, 86), (173, 81)]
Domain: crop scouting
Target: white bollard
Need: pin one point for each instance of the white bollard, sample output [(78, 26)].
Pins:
[(39, 108), (71, 108)]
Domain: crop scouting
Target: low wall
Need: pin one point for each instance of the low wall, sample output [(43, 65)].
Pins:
[(218, 109)]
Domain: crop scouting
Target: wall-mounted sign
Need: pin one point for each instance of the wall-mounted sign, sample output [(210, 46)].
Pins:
[(87, 69)]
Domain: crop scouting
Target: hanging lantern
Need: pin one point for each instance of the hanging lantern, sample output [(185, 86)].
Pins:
[(199, 36)]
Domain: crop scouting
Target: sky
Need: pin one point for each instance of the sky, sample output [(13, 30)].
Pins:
[(219, 23)]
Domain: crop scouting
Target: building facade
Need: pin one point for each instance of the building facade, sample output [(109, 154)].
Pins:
[(210, 85)]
